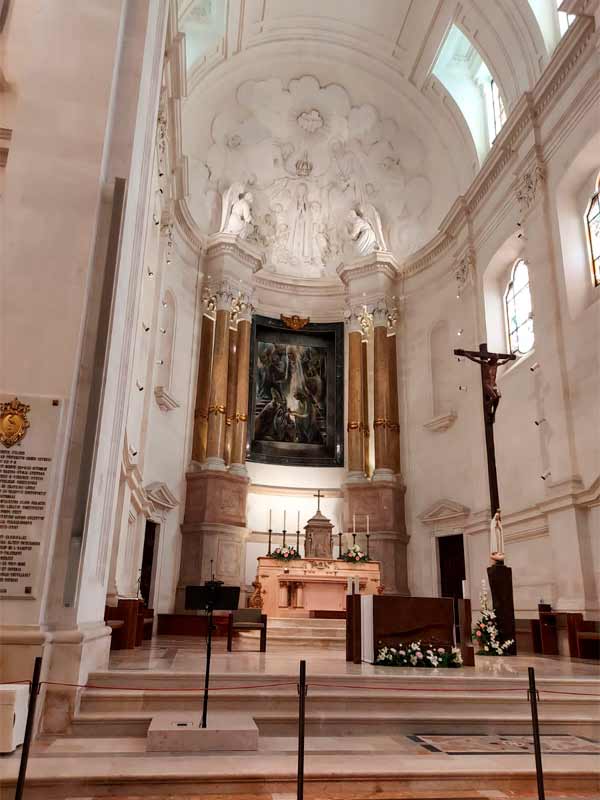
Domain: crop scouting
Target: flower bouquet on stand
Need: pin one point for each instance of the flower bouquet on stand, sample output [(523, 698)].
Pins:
[(355, 554), (287, 553), (485, 631)]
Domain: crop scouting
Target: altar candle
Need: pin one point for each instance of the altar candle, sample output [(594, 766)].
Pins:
[(298, 525), (354, 523), (284, 513), (367, 524), (270, 518)]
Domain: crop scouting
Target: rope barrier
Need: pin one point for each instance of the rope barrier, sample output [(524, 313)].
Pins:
[(312, 685), (166, 688)]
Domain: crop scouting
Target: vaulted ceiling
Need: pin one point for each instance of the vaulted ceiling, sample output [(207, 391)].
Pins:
[(322, 105)]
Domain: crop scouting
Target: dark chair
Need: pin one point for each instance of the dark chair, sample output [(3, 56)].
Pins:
[(247, 619)]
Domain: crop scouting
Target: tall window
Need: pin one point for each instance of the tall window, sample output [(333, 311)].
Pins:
[(519, 317), (592, 219), (564, 20), (498, 112)]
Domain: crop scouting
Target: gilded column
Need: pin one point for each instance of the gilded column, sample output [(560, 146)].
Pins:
[(240, 422), (381, 394), (231, 391), (203, 389), (215, 445), (394, 428), (356, 469), (366, 437)]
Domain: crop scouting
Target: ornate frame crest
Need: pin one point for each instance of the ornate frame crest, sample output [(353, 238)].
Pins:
[(13, 421)]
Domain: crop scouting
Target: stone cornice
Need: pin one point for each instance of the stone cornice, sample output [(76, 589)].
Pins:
[(223, 243), (381, 262), (280, 283)]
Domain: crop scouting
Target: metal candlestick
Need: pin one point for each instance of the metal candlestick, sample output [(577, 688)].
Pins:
[(284, 532), (368, 537), (340, 544), (269, 550), (298, 541), (353, 539)]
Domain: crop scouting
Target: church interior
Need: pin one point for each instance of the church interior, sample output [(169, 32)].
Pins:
[(299, 399)]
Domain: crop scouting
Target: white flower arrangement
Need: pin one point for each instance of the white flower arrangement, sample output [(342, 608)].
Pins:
[(355, 554), (417, 655), (285, 553), (485, 631)]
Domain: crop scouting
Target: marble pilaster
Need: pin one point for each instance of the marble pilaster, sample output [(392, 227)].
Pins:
[(203, 389), (381, 395), (240, 421), (217, 407), (354, 425)]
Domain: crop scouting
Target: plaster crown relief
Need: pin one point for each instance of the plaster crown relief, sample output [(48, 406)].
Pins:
[(311, 179)]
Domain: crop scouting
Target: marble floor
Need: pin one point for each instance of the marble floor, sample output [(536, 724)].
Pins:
[(187, 654), (354, 765)]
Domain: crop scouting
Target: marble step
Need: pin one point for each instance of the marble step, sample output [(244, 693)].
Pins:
[(348, 724), (306, 622), (435, 776), (283, 701)]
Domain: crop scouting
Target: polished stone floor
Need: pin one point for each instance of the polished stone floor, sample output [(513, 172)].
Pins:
[(187, 654)]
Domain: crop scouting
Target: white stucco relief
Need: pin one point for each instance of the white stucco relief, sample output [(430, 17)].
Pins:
[(310, 159)]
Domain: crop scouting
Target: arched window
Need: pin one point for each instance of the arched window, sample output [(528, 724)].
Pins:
[(592, 220), (519, 318)]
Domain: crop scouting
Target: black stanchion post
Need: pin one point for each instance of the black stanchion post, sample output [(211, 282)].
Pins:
[(533, 698), (33, 693), (301, 712)]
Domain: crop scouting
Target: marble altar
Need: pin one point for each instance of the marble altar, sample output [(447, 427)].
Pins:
[(295, 588)]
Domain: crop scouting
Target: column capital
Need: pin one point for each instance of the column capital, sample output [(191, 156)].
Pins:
[(242, 308), (384, 314), (357, 319)]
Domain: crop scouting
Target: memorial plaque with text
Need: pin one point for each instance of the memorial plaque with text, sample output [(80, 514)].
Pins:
[(28, 432)]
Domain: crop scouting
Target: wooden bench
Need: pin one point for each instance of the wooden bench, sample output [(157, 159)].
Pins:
[(584, 637)]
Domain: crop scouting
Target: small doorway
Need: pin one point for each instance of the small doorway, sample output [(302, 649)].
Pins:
[(452, 569), (147, 571)]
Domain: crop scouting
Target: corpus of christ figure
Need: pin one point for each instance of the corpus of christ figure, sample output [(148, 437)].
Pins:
[(489, 363)]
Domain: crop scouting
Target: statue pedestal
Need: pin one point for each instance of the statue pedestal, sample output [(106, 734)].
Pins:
[(500, 579)]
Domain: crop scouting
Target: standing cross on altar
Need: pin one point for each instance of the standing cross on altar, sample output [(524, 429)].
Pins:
[(318, 495)]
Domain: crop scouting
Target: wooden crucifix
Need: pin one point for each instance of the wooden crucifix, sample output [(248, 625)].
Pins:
[(489, 363)]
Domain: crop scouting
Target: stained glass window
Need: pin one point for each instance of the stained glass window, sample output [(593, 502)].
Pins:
[(519, 317), (592, 219)]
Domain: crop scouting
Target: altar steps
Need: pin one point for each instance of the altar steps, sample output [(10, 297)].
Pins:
[(322, 634), (444, 705)]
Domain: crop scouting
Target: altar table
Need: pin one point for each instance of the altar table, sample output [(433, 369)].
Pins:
[(295, 588)]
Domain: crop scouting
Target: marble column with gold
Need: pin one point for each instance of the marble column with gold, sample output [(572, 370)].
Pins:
[(381, 394), (354, 425), (215, 444), (203, 389), (240, 418), (232, 375), (394, 427)]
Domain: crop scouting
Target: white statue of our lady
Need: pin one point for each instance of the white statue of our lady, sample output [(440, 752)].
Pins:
[(236, 216), (302, 242), (497, 537)]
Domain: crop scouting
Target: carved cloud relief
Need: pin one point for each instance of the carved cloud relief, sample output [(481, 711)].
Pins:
[(309, 157)]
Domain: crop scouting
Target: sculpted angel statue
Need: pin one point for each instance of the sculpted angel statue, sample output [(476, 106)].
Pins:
[(236, 215), (364, 228)]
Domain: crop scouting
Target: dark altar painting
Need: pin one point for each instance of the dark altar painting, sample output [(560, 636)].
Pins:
[(296, 394)]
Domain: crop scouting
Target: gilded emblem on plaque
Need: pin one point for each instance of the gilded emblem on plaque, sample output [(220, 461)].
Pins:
[(13, 422)]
